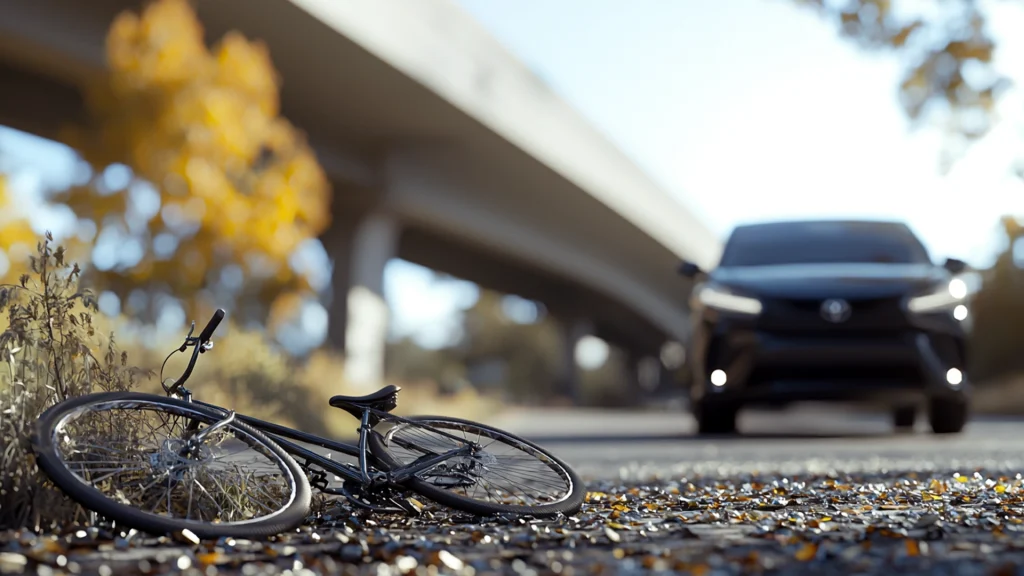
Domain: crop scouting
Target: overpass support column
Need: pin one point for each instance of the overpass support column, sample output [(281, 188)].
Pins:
[(359, 315), (570, 380)]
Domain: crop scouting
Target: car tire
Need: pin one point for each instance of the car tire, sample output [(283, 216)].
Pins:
[(903, 417), (947, 416), (716, 419)]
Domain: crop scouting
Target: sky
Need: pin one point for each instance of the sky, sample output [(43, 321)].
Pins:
[(743, 110), (751, 109), (755, 109)]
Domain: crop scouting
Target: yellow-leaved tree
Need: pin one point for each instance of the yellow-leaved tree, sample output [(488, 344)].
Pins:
[(17, 239), (197, 176)]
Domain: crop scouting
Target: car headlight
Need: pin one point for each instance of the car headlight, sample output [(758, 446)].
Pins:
[(949, 296), (720, 298)]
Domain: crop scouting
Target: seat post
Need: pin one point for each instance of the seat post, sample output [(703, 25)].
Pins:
[(364, 431)]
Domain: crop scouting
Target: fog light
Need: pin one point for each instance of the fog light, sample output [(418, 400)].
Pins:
[(954, 376), (718, 378), (957, 288), (960, 312)]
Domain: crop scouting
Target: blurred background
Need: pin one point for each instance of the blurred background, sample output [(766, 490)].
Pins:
[(486, 201)]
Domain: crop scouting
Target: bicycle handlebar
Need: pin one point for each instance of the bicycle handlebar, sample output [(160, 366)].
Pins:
[(204, 336), (201, 343)]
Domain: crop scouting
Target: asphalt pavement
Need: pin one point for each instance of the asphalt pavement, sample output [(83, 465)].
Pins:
[(606, 444)]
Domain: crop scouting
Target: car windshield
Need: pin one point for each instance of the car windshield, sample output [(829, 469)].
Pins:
[(823, 242)]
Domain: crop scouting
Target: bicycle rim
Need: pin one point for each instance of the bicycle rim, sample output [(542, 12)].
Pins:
[(124, 456), (508, 475)]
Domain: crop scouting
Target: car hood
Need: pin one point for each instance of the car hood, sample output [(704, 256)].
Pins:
[(830, 280)]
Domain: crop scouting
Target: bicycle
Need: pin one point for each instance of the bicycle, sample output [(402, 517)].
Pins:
[(101, 460)]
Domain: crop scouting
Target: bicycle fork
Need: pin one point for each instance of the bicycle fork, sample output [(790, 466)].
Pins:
[(195, 441)]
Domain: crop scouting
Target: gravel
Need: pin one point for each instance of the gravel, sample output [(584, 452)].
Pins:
[(724, 518)]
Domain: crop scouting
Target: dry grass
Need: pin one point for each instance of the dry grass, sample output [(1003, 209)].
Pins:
[(50, 350), (54, 345), (253, 376)]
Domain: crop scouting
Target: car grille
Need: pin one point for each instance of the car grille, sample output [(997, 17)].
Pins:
[(804, 315)]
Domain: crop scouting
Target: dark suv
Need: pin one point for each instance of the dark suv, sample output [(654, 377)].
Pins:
[(851, 311)]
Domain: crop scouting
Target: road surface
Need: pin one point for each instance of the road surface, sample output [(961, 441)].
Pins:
[(609, 444)]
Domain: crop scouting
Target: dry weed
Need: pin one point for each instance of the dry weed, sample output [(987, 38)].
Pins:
[(248, 373), (50, 350), (54, 345)]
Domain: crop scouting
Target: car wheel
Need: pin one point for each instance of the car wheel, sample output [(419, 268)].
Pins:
[(716, 419), (904, 416), (947, 416)]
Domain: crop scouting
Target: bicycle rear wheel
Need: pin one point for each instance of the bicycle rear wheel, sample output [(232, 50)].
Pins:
[(509, 475), (127, 457)]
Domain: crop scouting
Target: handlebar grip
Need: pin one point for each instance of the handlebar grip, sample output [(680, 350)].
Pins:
[(204, 336)]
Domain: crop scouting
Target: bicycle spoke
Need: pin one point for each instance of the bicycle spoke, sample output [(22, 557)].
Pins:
[(502, 470), (141, 458)]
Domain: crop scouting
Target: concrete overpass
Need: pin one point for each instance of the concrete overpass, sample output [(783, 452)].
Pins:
[(443, 150)]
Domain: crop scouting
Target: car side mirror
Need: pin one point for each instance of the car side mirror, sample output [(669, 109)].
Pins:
[(955, 265), (689, 270)]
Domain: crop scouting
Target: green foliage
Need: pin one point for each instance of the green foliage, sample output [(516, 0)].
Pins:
[(50, 350), (521, 363), (998, 311), (531, 353)]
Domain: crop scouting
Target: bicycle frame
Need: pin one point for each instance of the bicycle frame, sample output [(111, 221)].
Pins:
[(284, 436)]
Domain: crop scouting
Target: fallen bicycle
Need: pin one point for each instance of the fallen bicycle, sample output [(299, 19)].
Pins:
[(168, 464)]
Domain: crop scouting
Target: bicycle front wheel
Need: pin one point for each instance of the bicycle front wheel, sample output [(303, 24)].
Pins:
[(507, 475), (134, 458)]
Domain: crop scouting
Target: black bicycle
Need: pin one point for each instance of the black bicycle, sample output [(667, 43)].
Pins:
[(167, 464)]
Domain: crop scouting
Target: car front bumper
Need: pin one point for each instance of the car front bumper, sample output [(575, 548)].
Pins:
[(891, 367)]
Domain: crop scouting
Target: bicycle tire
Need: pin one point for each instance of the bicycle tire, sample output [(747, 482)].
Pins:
[(570, 505), (51, 463)]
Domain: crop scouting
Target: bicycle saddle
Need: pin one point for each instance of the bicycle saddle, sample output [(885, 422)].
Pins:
[(384, 399)]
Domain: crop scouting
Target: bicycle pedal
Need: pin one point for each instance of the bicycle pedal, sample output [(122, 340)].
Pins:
[(317, 479)]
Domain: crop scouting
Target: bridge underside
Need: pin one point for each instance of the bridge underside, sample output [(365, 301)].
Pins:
[(38, 104), (413, 177)]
